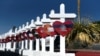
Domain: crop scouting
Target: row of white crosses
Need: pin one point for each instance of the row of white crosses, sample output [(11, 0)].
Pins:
[(2, 45), (35, 25)]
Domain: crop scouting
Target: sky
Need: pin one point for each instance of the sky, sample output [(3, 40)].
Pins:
[(18, 12)]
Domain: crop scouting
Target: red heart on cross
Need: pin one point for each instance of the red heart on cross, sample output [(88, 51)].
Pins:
[(49, 30), (61, 28), (30, 35), (41, 32), (69, 25)]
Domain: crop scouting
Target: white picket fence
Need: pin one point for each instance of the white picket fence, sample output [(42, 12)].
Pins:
[(25, 51)]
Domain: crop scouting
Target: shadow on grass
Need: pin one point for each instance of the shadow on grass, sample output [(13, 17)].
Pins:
[(8, 53)]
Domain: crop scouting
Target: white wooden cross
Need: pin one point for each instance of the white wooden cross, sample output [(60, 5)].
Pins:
[(62, 15)]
